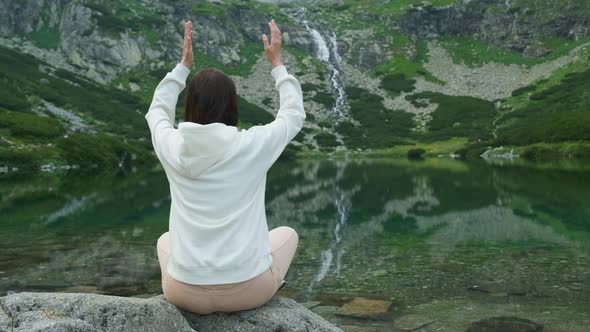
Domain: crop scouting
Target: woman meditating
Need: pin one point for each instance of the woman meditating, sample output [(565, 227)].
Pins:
[(218, 254)]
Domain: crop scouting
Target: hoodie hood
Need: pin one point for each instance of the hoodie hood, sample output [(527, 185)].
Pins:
[(205, 145)]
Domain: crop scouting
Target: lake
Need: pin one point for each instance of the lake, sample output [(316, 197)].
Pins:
[(448, 243)]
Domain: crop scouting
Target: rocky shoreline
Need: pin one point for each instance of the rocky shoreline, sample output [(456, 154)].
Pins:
[(47, 312)]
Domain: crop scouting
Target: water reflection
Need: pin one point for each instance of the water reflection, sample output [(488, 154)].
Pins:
[(417, 232)]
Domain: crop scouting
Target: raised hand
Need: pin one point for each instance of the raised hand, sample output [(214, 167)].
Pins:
[(273, 49), (187, 48)]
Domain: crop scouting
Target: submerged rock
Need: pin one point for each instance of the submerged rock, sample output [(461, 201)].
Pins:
[(92, 313), (500, 324), (496, 288), (366, 308)]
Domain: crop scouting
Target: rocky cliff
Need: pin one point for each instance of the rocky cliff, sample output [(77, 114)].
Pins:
[(521, 26), (102, 40)]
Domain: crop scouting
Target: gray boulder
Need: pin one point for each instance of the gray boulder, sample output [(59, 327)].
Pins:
[(48, 312)]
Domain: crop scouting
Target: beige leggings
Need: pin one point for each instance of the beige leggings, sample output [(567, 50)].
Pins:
[(243, 295)]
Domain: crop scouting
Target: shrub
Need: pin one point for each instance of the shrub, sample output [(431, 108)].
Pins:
[(326, 139), (557, 114), (538, 153), (251, 113), (30, 125), (380, 127), (416, 153), (458, 116), (473, 150), (523, 90), (397, 83), (326, 99), (88, 151), (24, 160)]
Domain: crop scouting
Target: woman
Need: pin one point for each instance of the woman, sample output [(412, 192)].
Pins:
[(218, 254)]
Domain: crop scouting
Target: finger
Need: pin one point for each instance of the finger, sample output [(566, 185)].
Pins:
[(265, 41), (274, 24), (185, 34), (275, 33)]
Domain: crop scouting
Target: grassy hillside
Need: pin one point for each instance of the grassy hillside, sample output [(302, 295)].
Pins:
[(33, 136)]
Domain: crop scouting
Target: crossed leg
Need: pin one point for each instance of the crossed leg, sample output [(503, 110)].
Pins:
[(245, 295)]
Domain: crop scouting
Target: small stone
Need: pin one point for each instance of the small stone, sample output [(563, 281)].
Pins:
[(366, 308), (379, 273), (310, 304), (134, 87)]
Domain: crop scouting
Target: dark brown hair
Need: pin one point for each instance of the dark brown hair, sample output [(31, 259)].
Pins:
[(211, 97)]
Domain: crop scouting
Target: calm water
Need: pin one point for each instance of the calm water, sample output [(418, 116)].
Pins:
[(446, 241)]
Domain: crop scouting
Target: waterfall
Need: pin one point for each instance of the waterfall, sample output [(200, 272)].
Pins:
[(327, 52), (327, 257)]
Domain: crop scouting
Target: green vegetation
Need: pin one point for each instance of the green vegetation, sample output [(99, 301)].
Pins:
[(207, 8), (458, 116), (27, 160), (416, 153), (523, 90), (379, 127), (474, 52), (326, 99), (552, 151), (556, 114), (115, 17), (553, 110), (21, 78), (386, 8), (401, 66), (101, 150), (22, 84), (251, 114), (397, 83), (550, 123), (326, 140), (45, 38), (29, 126), (248, 54), (433, 149)]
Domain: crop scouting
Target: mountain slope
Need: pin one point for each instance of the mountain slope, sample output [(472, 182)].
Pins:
[(375, 74)]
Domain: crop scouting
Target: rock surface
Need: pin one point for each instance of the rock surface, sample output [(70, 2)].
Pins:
[(91, 313), (366, 308)]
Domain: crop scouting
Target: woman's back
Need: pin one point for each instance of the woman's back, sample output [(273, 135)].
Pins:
[(217, 177), (218, 234)]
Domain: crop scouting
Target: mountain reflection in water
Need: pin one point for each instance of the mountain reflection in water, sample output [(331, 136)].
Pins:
[(416, 232)]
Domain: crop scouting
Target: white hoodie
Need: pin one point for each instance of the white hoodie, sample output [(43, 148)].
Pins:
[(217, 176)]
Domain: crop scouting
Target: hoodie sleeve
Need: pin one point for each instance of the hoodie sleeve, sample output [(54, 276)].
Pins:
[(160, 116), (275, 136)]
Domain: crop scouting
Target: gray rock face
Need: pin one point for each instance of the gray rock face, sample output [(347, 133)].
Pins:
[(88, 47), (512, 26), (36, 312), (279, 314)]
